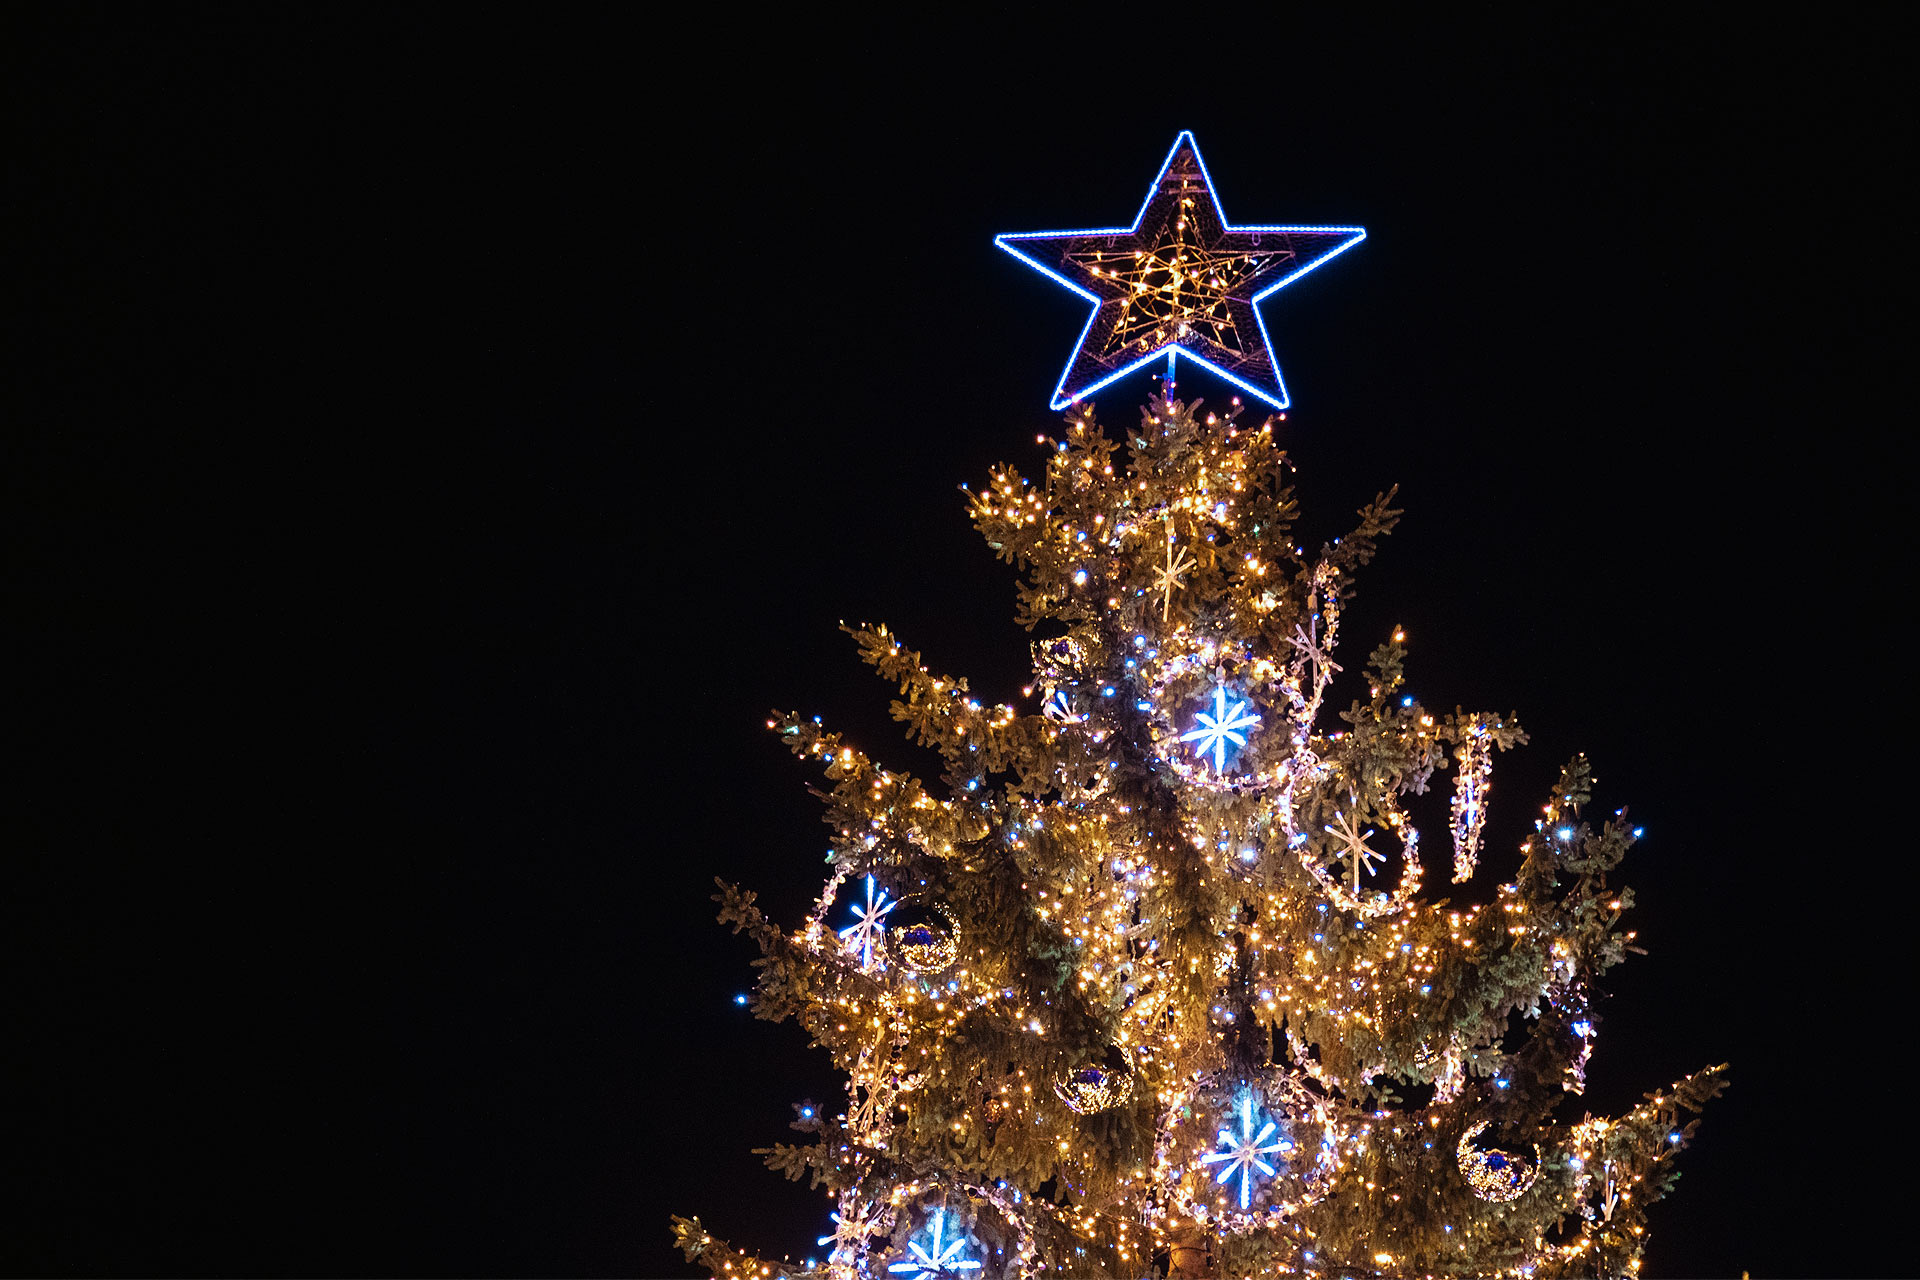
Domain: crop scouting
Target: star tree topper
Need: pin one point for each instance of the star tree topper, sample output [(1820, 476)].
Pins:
[(1180, 280)]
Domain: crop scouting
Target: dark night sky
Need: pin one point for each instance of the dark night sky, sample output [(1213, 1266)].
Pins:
[(440, 447)]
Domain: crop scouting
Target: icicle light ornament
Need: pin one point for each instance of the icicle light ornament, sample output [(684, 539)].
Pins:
[(1470, 785)]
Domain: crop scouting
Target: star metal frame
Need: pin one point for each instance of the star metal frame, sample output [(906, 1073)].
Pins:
[(1181, 281)]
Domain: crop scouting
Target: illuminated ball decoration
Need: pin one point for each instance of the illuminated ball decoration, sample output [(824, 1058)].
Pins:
[(1495, 1175), (1094, 1088), (927, 947), (1240, 1154)]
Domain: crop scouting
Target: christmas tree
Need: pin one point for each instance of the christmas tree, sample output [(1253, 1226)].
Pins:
[(1148, 982)]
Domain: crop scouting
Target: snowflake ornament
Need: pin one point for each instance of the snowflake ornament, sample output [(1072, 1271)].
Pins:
[(938, 1257), (1225, 724), (1243, 1152), (861, 936), (1356, 846), (1168, 577)]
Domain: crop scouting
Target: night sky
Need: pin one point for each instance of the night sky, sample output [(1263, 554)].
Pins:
[(439, 446)]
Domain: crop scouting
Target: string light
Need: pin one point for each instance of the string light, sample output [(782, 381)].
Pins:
[(1171, 859)]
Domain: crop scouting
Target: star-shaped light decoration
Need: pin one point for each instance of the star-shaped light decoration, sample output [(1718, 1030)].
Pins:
[(864, 932), (1242, 1152), (849, 1236), (1357, 850), (1180, 280), (1167, 578), (1224, 725), (936, 1258)]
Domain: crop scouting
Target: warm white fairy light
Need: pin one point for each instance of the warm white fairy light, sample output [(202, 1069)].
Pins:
[(1178, 883)]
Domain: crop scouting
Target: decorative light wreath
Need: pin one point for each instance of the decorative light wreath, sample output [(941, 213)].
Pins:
[(1293, 1130), (907, 1205), (1196, 685), (1371, 905)]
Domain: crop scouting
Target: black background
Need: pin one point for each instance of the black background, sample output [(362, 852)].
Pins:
[(441, 441)]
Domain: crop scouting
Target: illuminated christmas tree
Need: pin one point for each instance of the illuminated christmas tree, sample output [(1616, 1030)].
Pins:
[(1147, 983)]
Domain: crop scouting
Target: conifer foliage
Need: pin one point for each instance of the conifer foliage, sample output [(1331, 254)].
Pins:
[(1150, 981)]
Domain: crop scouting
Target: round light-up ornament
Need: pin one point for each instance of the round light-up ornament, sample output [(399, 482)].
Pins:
[(1493, 1174), (1244, 1153)]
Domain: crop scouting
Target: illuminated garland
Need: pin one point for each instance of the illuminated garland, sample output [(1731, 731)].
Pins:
[(1286, 1127)]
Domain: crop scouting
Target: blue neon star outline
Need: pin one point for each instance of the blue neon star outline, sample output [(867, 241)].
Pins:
[(929, 1263), (1220, 728), (1244, 1150), (1256, 371)]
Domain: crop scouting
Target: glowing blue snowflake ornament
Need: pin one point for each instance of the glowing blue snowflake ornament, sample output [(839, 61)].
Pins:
[(1180, 280), (864, 932), (1242, 1152), (1224, 725), (937, 1257)]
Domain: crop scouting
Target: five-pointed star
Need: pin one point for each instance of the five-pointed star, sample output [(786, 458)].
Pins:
[(1243, 1150), (1180, 279)]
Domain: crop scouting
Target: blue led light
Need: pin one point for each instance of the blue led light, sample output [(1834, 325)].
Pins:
[(741, 998), (936, 1256), (1274, 257), (1241, 1153), (1223, 725), (868, 923)]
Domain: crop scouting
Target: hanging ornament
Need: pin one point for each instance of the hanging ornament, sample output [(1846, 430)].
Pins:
[(1469, 809), (1349, 844), (1241, 1154), (926, 947), (941, 1247), (1171, 576), (1059, 708), (1061, 660), (862, 937), (1221, 732), (1495, 1175), (1094, 1088)]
